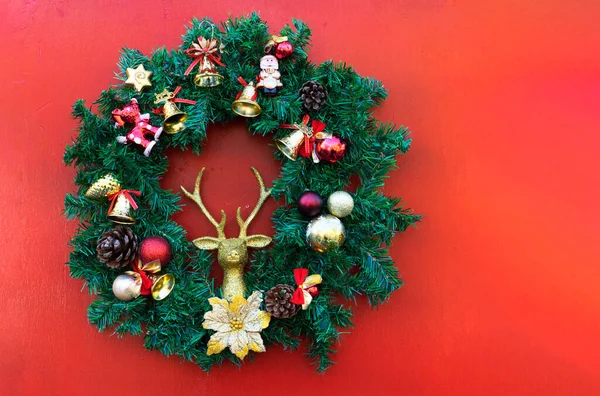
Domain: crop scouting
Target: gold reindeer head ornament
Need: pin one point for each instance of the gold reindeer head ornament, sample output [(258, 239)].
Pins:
[(232, 252)]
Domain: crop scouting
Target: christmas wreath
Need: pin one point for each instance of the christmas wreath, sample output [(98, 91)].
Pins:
[(329, 244)]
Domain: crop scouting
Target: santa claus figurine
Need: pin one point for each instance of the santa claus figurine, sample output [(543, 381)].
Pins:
[(268, 79)]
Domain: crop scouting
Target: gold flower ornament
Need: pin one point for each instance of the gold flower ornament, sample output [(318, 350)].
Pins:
[(237, 324)]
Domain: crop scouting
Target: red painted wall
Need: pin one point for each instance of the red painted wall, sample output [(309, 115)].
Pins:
[(501, 276)]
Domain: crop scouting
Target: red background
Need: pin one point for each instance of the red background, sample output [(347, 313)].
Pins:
[(501, 276)]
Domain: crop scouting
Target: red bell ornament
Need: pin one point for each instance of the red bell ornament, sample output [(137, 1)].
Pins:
[(330, 149)]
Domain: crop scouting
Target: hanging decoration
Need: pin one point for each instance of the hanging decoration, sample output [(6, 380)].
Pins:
[(173, 117), (154, 282), (302, 140), (269, 77), (138, 78), (232, 252), (340, 204), (306, 287), (144, 280), (279, 46), (142, 134), (245, 103), (206, 53), (237, 325), (324, 233), (117, 247), (278, 302), (310, 204)]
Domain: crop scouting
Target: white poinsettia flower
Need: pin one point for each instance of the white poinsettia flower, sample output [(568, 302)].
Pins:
[(237, 325)]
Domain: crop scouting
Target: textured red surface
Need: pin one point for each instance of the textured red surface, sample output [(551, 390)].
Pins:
[(501, 276)]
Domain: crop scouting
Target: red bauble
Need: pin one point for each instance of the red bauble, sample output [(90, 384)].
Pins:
[(284, 49), (331, 149), (155, 248), (313, 291), (310, 204)]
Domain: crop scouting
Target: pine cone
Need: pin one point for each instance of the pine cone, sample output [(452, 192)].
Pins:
[(313, 95), (277, 302), (117, 247)]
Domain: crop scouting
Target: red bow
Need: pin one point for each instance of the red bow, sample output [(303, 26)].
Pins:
[(310, 133), (300, 275), (199, 51), (127, 194), (146, 282)]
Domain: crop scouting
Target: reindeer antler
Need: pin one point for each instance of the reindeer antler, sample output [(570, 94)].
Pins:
[(196, 198), (264, 194)]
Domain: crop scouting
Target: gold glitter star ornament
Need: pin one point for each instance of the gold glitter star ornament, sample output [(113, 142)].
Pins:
[(237, 324), (138, 78)]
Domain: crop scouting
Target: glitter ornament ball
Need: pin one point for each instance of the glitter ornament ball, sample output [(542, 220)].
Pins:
[(331, 149), (310, 204), (325, 232), (340, 204), (155, 248), (284, 49)]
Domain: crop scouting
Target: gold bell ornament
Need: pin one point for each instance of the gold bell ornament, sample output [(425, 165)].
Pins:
[(245, 102), (205, 53), (121, 205), (173, 117), (162, 285), (303, 139), (144, 280), (121, 201), (103, 187)]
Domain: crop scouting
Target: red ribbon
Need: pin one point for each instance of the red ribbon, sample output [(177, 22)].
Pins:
[(300, 275), (199, 54), (177, 100), (160, 110), (127, 194), (146, 282), (244, 83), (316, 125)]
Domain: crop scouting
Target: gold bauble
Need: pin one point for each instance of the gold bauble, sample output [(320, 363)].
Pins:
[(325, 232), (127, 286), (340, 204), (103, 187)]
